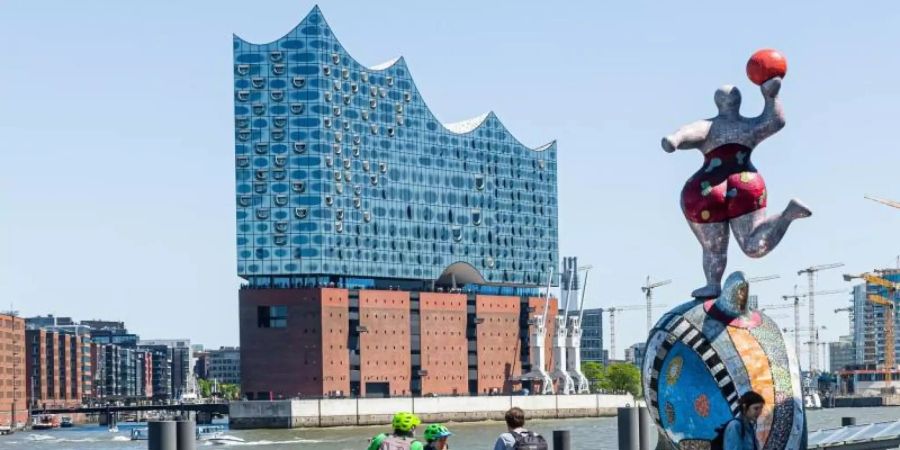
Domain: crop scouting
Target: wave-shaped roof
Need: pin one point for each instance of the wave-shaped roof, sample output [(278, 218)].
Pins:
[(463, 127)]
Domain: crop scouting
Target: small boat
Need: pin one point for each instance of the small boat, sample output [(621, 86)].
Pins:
[(226, 440), (215, 434), (140, 434), (66, 422), (44, 422)]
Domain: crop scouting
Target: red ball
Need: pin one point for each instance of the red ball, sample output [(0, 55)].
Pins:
[(766, 64)]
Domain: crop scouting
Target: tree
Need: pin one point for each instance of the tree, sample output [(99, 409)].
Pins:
[(205, 388), (595, 374), (624, 377), (230, 391)]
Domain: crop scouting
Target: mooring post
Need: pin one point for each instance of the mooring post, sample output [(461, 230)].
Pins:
[(162, 435), (847, 421), (628, 428), (186, 435), (645, 428), (561, 440)]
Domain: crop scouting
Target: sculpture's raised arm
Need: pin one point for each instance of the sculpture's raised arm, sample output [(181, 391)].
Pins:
[(772, 118), (689, 136)]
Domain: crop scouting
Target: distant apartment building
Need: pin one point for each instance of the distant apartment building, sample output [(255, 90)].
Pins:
[(868, 323), (592, 336), (224, 365), (181, 361), (161, 370), (635, 353), (49, 320), (13, 371), (841, 353), (54, 367)]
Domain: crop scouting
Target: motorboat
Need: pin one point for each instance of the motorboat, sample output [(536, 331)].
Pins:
[(215, 434), (140, 434), (44, 422), (66, 422)]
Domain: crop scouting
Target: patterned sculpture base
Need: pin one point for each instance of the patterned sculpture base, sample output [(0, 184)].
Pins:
[(703, 355)]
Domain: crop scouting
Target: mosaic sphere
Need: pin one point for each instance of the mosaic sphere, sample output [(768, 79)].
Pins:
[(703, 355), (766, 64)]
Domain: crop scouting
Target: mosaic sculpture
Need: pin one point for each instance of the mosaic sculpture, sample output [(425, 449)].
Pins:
[(728, 192), (704, 354)]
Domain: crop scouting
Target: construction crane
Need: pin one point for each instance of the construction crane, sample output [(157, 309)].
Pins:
[(612, 310), (811, 293), (753, 299), (796, 305), (763, 278), (536, 354), (891, 289), (884, 202), (648, 292)]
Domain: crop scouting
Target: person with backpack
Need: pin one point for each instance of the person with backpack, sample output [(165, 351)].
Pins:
[(740, 433), (436, 437), (403, 437), (517, 437)]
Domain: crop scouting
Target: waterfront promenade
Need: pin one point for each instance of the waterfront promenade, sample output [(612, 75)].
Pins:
[(377, 411)]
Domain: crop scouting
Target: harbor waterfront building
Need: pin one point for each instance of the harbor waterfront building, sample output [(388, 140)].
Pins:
[(592, 336), (840, 354), (635, 353), (13, 373), (223, 365), (384, 253)]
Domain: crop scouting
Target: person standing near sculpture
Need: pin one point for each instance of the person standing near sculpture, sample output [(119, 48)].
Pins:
[(728, 193), (740, 433)]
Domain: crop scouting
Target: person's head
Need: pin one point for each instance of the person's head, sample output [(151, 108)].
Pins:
[(405, 423), (728, 99), (437, 434), (751, 405), (515, 418)]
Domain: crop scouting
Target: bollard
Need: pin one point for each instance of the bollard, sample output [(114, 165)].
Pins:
[(161, 435), (186, 435), (646, 428), (561, 440), (628, 428), (847, 421)]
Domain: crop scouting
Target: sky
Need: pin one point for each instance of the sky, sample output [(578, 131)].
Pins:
[(116, 137)]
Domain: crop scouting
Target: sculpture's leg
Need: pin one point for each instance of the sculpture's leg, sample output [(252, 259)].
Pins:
[(713, 238), (758, 235)]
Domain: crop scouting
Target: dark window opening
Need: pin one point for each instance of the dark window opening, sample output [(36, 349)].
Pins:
[(272, 316)]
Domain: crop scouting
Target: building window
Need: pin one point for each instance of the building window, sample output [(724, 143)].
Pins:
[(272, 316)]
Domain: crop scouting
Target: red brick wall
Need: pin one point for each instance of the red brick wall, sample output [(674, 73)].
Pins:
[(53, 381), (335, 331), (385, 347), (12, 371), (444, 347), (497, 342), (284, 361)]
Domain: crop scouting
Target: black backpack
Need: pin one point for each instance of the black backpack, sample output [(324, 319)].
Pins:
[(718, 442), (529, 440)]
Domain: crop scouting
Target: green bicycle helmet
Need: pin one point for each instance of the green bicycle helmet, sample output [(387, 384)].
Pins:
[(436, 431), (405, 421)]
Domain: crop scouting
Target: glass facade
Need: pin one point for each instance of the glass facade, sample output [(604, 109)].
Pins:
[(592, 336), (343, 171)]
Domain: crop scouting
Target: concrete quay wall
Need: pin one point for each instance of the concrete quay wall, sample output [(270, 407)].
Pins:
[(378, 411)]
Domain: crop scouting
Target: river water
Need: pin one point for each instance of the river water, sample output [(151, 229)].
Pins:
[(586, 434)]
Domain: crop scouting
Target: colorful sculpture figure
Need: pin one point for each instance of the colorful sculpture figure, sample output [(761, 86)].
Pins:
[(703, 355), (728, 192)]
